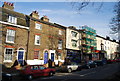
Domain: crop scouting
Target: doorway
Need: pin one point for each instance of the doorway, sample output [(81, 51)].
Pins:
[(20, 58)]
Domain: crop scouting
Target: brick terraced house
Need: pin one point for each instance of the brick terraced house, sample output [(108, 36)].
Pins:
[(14, 34), (34, 40), (26, 38), (46, 40)]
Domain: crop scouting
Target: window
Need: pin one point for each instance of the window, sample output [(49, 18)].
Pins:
[(36, 54), (34, 67), (74, 34), (42, 67), (60, 56), (74, 43), (38, 26), (12, 19), (60, 32), (37, 40), (60, 44), (10, 36), (8, 54)]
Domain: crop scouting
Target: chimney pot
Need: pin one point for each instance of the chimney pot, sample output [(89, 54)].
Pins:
[(34, 14), (8, 5), (12, 4), (45, 18)]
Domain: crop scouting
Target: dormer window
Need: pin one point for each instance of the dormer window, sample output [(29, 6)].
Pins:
[(12, 19)]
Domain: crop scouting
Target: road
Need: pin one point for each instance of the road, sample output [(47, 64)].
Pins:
[(99, 73)]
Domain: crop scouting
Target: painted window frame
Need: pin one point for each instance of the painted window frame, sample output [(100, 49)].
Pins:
[(37, 54), (60, 44), (38, 26), (73, 41), (60, 32), (74, 34), (5, 55), (36, 39), (12, 19), (7, 34)]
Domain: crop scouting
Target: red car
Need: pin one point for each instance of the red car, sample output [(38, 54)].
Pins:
[(111, 61), (118, 59), (31, 71)]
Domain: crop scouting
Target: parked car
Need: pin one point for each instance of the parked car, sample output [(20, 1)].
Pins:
[(109, 61), (31, 71), (8, 73), (99, 62), (89, 64), (118, 59), (69, 67)]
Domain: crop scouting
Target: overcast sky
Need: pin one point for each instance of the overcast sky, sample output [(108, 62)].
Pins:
[(63, 13)]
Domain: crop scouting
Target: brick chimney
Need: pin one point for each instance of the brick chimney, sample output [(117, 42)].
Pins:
[(34, 14), (8, 5), (45, 18)]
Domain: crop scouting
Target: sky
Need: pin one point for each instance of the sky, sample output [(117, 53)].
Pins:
[(63, 13)]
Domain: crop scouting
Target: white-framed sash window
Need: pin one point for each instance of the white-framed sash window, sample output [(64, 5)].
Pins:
[(37, 40), (8, 53), (38, 26), (36, 54), (60, 32), (60, 42), (12, 19), (10, 37)]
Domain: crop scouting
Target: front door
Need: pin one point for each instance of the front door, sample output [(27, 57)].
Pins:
[(21, 56), (46, 57), (52, 57)]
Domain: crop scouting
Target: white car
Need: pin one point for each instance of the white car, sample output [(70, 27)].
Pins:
[(69, 67)]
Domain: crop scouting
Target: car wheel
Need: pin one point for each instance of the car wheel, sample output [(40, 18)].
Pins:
[(51, 74), (69, 70), (29, 77)]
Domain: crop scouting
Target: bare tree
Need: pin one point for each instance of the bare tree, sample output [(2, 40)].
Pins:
[(82, 4), (115, 22)]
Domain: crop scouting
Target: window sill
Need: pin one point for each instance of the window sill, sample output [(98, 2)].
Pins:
[(37, 44), (10, 42), (36, 59), (38, 29), (7, 61), (13, 23)]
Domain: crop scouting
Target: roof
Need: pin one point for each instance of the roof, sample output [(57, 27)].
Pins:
[(11, 12), (107, 39), (48, 23)]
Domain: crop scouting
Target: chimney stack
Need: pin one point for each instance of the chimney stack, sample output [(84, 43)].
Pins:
[(45, 18), (108, 38), (114, 40), (34, 14), (8, 5)]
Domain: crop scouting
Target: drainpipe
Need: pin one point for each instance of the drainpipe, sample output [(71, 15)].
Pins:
[(27, 45), (28, 24)]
